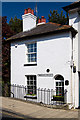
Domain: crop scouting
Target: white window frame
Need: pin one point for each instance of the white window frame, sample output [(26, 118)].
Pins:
[(27, 53)]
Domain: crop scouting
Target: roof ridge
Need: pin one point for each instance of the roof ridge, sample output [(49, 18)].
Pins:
[(53, 23)]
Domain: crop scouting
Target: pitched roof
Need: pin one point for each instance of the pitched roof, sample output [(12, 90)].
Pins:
[(74, 5), (47, 28)]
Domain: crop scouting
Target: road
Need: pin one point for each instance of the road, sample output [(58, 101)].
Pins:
[(8, 115), (22, 110)]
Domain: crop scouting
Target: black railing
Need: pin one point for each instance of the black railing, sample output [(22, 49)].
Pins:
[(42, 95)]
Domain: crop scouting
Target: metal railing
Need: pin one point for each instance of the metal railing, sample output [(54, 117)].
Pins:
[(44, 96)]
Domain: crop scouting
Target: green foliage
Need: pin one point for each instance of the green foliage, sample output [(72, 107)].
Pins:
[(6, 33), (58, 96), (58, 18), (31, 94), (37, 19), (15, 24), (5, 89)]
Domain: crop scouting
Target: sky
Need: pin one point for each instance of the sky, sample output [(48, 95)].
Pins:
[(12, 9)]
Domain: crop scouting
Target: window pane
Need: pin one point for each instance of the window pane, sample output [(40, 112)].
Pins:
[(31, 82), (30, 87), (28, 46), (62, 83), (59, 83), (35, 77), (31, 45), (29, 55), (56, 83), (34, 45), (32, 55), (34, 82), (31, 77), (35, 59), (29, 50), (35, 49), (27, 82), (56, 91), (28, 59), (27, 77), (32, 59)]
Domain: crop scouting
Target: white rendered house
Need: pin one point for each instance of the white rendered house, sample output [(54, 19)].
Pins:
[(46, 55)]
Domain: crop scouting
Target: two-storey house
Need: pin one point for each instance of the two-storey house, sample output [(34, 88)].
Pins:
[(46, 55)]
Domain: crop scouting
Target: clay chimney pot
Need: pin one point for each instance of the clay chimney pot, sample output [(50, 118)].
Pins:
[(29, 10), (39, 20), (32, 12), (25, 11)]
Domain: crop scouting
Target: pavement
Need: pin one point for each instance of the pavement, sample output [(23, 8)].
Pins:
[(25, 109)]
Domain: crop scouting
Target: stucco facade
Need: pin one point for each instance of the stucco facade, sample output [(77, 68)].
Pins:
[(53, 52), (57, 54)]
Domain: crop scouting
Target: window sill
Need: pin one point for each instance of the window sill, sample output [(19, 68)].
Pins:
[(33, 64), (31, 97)]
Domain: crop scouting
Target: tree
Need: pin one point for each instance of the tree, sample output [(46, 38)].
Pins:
[(6, 32), (58, 18), (15, 24)]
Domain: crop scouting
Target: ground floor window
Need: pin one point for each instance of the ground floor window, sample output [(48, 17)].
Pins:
[(31, 84)]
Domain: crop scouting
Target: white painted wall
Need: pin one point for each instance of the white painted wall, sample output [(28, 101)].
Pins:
[(53, 52), (29, 21)]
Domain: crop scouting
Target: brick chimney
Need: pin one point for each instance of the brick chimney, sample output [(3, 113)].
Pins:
[(41, 21), (29, 20)]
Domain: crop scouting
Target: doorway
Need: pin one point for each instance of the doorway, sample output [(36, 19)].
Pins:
[(59, 84)]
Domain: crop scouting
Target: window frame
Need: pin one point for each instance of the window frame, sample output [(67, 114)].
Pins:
[(31, 53), (33, 85)]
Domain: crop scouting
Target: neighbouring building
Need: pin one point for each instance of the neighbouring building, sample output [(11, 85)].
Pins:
[(47, 55)]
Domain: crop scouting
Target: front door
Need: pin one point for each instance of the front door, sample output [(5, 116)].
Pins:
[(59, 80), (59, 87)]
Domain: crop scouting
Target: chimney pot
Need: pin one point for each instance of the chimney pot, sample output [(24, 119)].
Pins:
[(39, 20), (43, 19), (25, 11), (42, 16), (32, 12), (29, 10)]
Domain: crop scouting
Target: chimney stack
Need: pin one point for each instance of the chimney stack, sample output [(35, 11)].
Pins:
[(41, 21), (29, 20)]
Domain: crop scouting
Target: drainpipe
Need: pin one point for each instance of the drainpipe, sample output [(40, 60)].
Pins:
[(71, 67)]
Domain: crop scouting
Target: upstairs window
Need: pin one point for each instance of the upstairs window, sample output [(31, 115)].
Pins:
[(32, 52)]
